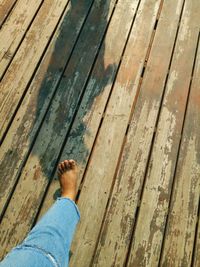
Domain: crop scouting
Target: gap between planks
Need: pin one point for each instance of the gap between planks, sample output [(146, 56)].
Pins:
[(6, 7), (13, 86), (103, 255), (138, 241), (19, 122), (14, 31), (179, 258), (128, 125), (91, 175), (95, 50)]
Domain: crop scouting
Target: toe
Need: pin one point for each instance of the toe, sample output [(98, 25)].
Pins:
[(72, 163), (66, 163), (62, 166)]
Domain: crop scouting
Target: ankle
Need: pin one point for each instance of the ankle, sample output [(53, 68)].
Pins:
[(70, 195)]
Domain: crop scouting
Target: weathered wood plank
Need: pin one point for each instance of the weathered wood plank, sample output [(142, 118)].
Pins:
[(148, 235), (38, 170), (21, 134), (101, 169), (196, 262), (5, 8), (179, 237), (14, 29), (18, 75), (120, 217), (86, 123)]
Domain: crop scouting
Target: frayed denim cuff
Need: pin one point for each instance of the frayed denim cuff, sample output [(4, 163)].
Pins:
[(73, 202)]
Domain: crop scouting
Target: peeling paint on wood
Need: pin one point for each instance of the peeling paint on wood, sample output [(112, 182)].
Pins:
[(86, 123), (104, 158), (5, 7), (180, 233), (116, 234), (14, 29), (51, 136), (18, 75), (122, 211), (148, 235), (22, 132)]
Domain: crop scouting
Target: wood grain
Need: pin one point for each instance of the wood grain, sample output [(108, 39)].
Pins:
[(85, 126), (99, 176), (21, 135), (14, 29), (38, 169), (120, 217), (115, 85), (196, 261), (5, 8), (151, 220), (182, 219), (18, 75)]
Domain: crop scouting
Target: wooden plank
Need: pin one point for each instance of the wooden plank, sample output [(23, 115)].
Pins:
[(18, 75), (120, 217), (21, 134), (148, 235), (5, 8), (196, 262), (181, 226), (40, 164), (101, 169), (14, 29), (86, 123)]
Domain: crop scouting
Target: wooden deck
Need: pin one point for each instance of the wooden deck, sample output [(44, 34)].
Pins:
[(115, 85)]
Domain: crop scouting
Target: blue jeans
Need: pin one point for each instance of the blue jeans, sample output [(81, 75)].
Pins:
[(48, 243)]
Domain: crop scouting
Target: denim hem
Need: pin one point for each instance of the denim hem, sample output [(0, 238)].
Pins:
[(48, 255), (73, 202)]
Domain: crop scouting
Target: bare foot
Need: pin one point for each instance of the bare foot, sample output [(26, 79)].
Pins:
[(67, 173)]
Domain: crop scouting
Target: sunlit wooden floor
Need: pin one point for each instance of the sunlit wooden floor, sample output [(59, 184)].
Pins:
[(115, 85)]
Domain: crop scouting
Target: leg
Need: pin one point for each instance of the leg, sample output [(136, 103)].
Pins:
[(53, 234)]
